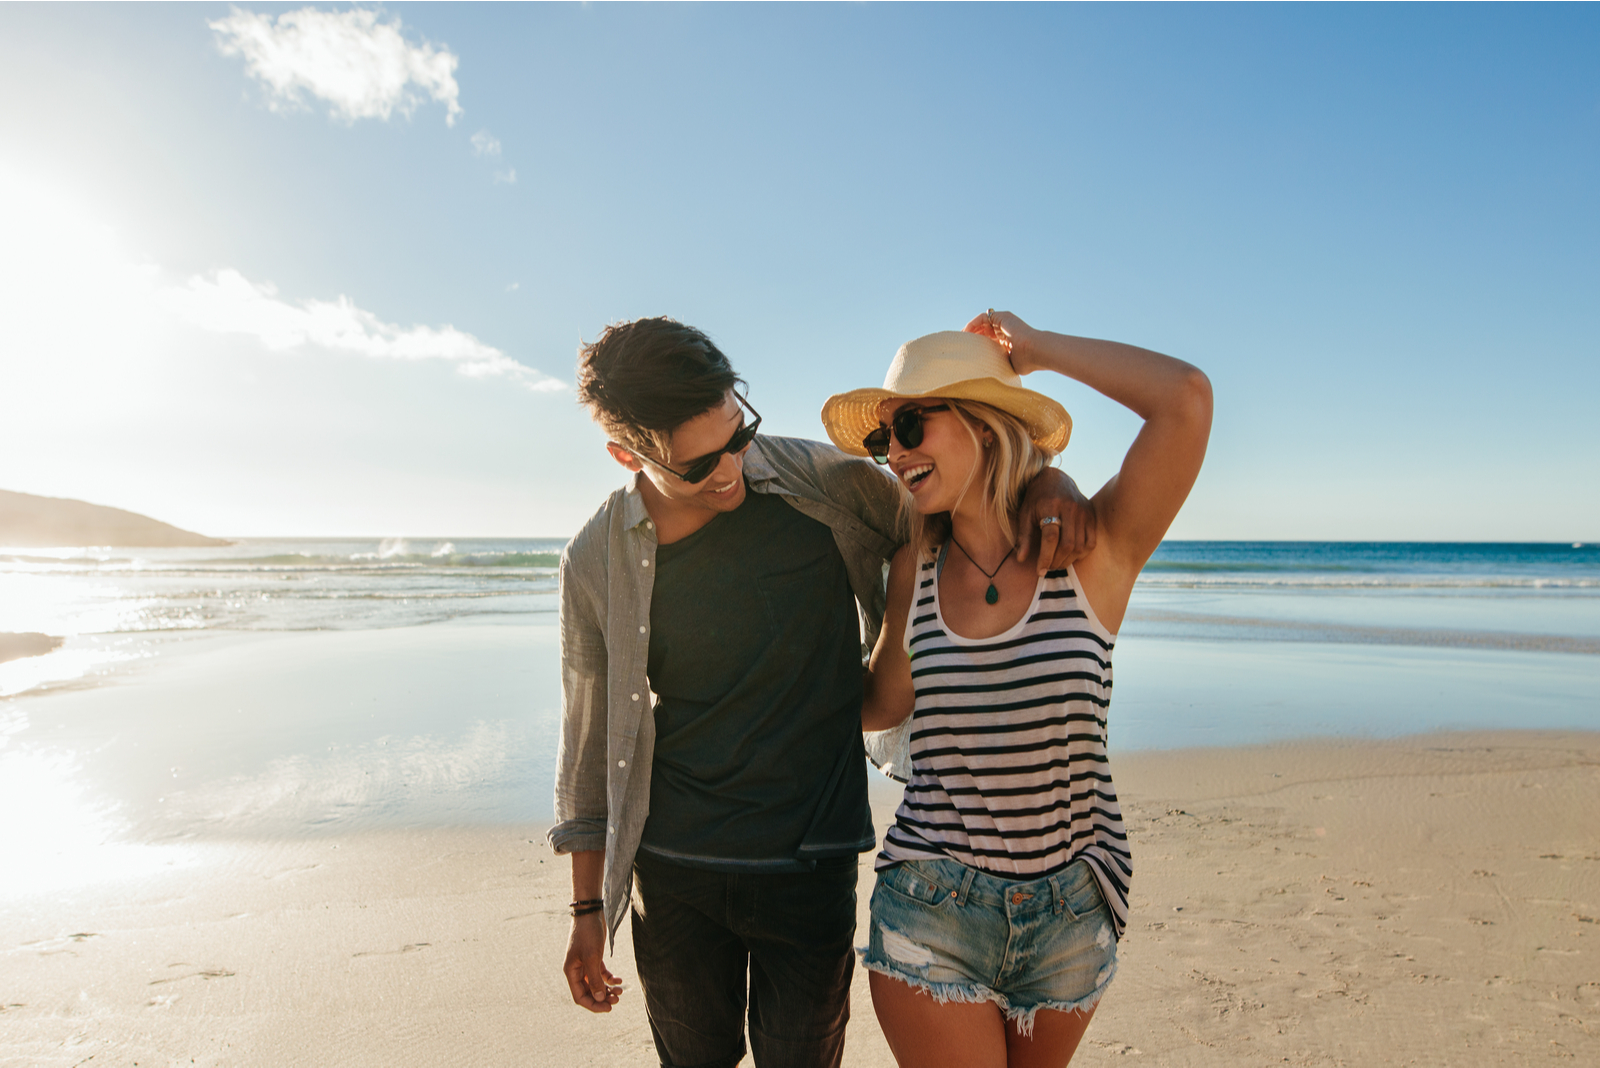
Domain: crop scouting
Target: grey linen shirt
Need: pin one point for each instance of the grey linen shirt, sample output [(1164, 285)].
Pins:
[(607, 577)]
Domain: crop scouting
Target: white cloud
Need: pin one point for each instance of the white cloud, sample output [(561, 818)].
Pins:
[(363, 67), (229, 303), (506, 177), (76, 305), (485, 143)]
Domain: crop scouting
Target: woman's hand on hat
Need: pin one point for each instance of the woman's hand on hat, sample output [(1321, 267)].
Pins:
[(1013, 334)]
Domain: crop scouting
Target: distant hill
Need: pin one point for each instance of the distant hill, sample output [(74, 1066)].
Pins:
[(33, 522)]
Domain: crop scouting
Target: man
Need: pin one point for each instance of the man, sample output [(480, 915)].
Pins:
[(711, 755)]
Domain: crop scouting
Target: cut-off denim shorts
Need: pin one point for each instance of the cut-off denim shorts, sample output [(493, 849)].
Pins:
[(965, 935)]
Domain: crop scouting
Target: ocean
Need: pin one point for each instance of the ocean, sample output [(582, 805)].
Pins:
[(298, 686)]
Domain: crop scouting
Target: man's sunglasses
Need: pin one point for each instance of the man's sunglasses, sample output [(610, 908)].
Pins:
[(907, 423), (701, 469)]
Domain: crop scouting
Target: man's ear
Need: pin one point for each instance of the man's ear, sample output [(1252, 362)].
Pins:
[(623, 456)]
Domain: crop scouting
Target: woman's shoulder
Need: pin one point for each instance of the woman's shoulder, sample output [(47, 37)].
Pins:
[(914, 559)]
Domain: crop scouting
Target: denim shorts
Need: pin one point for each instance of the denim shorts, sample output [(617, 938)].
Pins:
[(965, 935)]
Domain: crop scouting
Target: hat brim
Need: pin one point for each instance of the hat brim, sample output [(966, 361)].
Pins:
[(850, 417)]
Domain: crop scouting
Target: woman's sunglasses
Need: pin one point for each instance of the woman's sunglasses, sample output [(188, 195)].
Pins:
[(907, 423), (701, 469)]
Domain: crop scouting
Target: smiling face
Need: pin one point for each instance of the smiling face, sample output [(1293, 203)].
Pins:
[(722, 491), (942, 469)]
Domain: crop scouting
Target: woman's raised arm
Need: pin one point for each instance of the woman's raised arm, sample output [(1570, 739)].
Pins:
[(1138, 504)]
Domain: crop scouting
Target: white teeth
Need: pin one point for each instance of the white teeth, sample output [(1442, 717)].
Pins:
[(912, 475)]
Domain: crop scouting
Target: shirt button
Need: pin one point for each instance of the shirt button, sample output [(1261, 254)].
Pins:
[(635, 697), (622, 763), (611, 830), (641, 630)]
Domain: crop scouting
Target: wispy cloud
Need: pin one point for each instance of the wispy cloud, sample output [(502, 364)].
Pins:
[(362, 66), (485, 143), (230, 303)]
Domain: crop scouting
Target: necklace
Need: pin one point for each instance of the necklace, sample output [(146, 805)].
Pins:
[(991, 594)]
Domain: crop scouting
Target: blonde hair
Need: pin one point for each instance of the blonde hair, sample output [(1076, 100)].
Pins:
[(1009, 464)]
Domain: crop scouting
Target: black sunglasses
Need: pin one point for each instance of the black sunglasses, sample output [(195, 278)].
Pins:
[(701, 469), (907, 423)]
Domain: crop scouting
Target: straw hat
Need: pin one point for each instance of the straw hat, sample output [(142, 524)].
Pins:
[(950, 364)]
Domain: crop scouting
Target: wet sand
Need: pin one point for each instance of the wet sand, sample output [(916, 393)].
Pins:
[(1429, 900), (17, 646)]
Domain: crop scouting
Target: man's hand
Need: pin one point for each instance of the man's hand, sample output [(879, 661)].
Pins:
[(1071, 537), (592, 984)]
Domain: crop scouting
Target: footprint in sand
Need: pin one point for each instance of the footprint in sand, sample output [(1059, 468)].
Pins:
[(285, 873), (47, 946), (208, 974), (413, 947)]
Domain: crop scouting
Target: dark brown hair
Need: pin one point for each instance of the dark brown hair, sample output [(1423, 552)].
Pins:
[(644, 379)]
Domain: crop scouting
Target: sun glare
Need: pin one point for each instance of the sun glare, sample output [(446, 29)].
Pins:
[(67, 839)]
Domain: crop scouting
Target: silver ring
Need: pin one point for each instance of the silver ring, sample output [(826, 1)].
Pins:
[(1047, 520)]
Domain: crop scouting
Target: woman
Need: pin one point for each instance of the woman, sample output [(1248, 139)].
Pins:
[(1002, 886)]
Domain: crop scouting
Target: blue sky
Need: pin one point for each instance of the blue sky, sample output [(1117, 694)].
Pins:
[(353, 307)]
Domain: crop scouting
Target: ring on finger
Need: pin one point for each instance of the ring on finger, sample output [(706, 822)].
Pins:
[(1048, 520)]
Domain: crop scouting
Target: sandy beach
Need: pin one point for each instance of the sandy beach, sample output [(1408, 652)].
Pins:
[(1430, 900)]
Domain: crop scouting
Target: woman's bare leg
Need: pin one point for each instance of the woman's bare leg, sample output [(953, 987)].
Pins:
[(922, 1033), (1054, 1040)]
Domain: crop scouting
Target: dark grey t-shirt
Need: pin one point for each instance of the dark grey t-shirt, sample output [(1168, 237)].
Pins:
[(755, 660)]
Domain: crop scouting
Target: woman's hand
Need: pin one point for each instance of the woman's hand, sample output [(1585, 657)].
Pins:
[(1014, 335)]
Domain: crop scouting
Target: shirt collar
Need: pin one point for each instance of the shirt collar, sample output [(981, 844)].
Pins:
[(757, 468), (633, 509)]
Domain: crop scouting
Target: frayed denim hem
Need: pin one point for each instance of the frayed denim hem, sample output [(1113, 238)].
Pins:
[(943, 993), (1024, 1017)]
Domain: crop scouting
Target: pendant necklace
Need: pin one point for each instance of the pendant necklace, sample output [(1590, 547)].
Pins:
[(991, 594)]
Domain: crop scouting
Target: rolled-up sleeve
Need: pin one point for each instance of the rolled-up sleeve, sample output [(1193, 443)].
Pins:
[(581, 757)]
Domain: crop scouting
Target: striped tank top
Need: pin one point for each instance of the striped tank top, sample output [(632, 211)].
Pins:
[(1008, 744)]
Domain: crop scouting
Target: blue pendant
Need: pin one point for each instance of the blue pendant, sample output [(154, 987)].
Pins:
[(992, 595)]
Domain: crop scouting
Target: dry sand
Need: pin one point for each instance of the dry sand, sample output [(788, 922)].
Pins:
[(1425, 901)]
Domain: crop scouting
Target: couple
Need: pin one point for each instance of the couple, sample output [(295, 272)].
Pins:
[(714, 616)]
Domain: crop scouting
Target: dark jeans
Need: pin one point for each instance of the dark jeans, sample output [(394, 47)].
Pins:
[(698, 934)]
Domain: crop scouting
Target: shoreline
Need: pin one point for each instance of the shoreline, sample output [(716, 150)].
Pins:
[(1433, 899)]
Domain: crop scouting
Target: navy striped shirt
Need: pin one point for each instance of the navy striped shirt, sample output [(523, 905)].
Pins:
[(1008, 743)]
